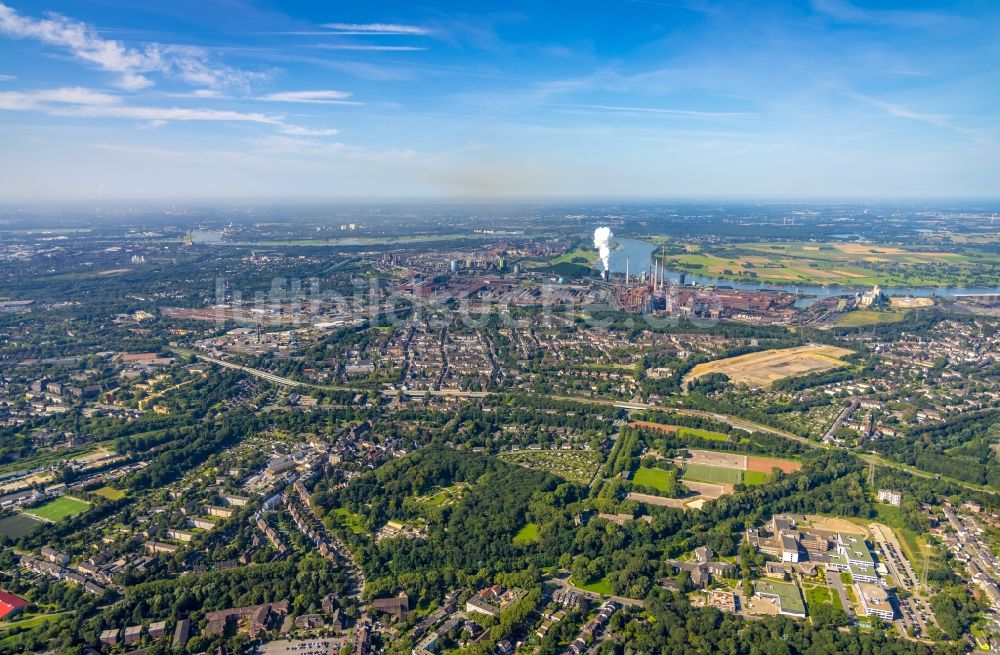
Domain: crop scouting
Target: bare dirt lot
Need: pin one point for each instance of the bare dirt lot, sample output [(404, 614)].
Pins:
[(676, 503), (708, 490), (669, 429), (904, 302), (765, 464), (763, 368), (831, 524)]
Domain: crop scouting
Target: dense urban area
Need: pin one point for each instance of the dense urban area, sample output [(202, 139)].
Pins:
[(532, 429)]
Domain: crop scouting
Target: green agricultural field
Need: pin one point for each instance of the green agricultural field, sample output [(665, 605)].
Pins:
[(527, 535), (574, 465), (18, 525), (702, 434), (751, 478), (717, 474), (868, 317), (59, 509), (652, 477), (109, 492), (851, 264)]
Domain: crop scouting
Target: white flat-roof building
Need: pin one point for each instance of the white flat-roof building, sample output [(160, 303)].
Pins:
[(874, 600)]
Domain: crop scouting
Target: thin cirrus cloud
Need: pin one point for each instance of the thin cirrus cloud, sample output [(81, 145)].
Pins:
[(360, 47), (132, 65), (376, 28), (21, 100), (320, 97), (78, 102)]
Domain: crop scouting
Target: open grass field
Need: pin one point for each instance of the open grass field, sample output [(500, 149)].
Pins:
[(869, 317), (59, 509), (822, 595), (702, 473), (702, 434), (109, 492), (652, 477), (840, 263), (29, 621), (352, 522), (602, 587), (574, 465), (527, 535), (18, 525), (751, 478), (589, 256), (760, 369), (913, 546)]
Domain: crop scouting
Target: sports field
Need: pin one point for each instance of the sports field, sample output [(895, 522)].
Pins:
[(760, 369), (702, 473), (755, 477), (719, 467), (652, 477), (18, 525), (59, 509)]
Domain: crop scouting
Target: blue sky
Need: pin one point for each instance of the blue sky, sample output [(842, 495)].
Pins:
[(476, 100)]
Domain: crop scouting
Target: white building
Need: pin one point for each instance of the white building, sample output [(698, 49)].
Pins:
[(874, 600), (890, 497)]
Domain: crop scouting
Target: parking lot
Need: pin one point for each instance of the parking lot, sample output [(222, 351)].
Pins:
[(317, 646)]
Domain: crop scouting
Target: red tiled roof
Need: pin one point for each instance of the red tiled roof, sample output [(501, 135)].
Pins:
[(9, 603)]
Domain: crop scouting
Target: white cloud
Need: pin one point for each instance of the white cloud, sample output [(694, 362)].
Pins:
[(78, 102), (7, 78), (21, 100), (376, 28), (298, 130), (132, 65), (164, 114), (658, 110), (291, 145), (327, 97), (369, 48)]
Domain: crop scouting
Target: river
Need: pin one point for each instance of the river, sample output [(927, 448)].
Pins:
[(637, 254)]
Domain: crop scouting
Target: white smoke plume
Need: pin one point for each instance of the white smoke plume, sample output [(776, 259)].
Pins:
[(602, 241)]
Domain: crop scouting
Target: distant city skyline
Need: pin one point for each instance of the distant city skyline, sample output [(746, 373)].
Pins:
[(637, 99)]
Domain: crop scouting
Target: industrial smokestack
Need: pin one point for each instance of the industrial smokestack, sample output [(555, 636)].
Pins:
[(602, 241)]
